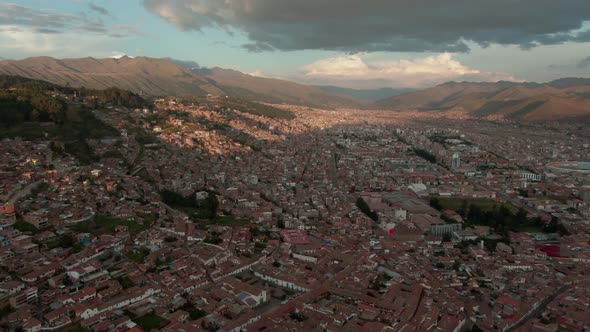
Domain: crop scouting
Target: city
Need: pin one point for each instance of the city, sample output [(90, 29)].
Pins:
[(294, 165), (313, 222)]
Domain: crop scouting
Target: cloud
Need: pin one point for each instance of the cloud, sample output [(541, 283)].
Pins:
[(26, 31), (124, 30), (584, 63), (258, 73), (19, 41), (46, 21), (383, 25), (358, 71), (99, 9), (119, 55)]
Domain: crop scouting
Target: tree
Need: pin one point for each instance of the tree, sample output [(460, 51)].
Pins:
[(435, 203), (67, 280), (364, 207), (170, 239)]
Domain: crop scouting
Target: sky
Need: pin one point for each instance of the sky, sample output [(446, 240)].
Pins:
[(349, 43)]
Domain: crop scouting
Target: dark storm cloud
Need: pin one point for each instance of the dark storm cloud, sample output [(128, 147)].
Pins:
[(584, 63), (383, 25)]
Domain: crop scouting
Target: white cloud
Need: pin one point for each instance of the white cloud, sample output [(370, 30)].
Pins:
[(258, 73), (30, 31), (18, 41), (118, 55), (358, 70)]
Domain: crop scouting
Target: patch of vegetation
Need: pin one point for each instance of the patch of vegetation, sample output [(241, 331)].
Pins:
[(213, 238), (25, 227), (113, 154), (163, 262), (65, 241), (6, 310), (194, 312), (20, 106), (23, 83), (379, 282), (502, 217), (247, 107), (116, 97), (129, 314), (81, 151), (196, 209), (125, 282), (298, 316), (28, 111), (74, 124), (103, 224), (170, 239), (69, 136), (151, 322), (461, 205), (138, 255)]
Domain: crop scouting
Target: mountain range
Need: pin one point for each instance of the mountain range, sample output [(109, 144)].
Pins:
[(562, 99), (166, 77)]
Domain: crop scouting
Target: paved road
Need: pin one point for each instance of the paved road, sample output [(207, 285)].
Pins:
[(538, 310), (24, 192)]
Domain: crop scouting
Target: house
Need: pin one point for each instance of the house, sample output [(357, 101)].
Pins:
[(32, 325)]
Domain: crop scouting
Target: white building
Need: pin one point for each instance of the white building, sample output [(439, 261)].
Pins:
[(456, 161)]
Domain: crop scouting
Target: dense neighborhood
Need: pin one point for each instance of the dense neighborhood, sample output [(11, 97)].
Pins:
[(193, 215)]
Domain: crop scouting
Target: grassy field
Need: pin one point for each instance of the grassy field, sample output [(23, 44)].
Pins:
[(456, 203), (150, 322), (103, 224)]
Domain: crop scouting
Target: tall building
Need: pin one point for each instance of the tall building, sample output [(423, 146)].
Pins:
[(456, 161)]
